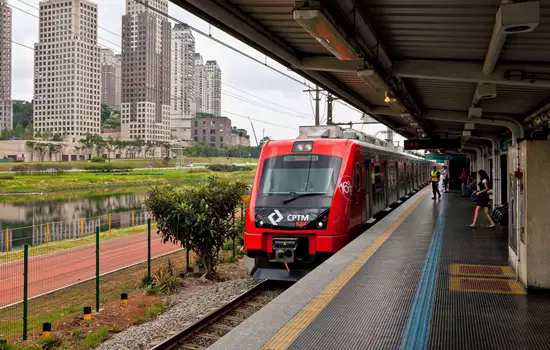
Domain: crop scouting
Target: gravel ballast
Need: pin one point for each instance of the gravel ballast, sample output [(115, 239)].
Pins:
[(189, 305)]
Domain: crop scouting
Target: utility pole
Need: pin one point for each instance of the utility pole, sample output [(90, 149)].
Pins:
[(317, 99), (330, 99)]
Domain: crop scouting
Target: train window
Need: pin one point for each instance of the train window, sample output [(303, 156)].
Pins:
[(378, 181), (300, 174)]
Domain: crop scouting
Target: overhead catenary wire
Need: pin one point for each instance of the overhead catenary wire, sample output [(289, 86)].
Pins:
[(100, 27), (209, 36), (38, 17), (238, 115), (230, 85), (243, 99)]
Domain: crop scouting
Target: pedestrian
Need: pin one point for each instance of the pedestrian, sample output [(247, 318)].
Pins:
[(435, 175), (445, 177), (482, 199), (464, 181)]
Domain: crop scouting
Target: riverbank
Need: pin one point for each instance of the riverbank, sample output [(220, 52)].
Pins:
[(120, 164), (22, 188)]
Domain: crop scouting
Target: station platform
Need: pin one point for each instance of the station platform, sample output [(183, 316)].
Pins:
[(418, 279)]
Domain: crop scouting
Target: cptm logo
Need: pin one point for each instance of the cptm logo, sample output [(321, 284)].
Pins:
[(275, 217), (346, 187)]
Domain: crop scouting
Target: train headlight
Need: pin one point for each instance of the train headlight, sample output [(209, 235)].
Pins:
[(320, 224), (261, 223), (302, 146)]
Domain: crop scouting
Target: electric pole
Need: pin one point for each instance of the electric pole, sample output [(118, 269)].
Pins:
[(317, 99), (330, 99)]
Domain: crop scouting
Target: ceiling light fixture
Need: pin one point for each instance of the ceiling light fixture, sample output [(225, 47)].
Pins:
[(326, 33)]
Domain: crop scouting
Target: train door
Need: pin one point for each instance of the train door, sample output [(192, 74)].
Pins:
[(358, 194), (368, 189), (392, 181), (378, 187)]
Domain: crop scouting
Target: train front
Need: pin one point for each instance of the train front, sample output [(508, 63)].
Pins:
[(299, 205)]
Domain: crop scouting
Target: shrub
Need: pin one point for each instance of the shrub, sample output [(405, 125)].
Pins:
[(199, 217), (165, 278), (228, 167), (97, 160)]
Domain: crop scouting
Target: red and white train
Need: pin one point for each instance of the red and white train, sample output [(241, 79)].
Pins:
[(313, 195)]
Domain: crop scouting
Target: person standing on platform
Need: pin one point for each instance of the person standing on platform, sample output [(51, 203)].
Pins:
[(435, 176), (482, 199)]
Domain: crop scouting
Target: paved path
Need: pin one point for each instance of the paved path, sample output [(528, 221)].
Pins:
[(52, 271)]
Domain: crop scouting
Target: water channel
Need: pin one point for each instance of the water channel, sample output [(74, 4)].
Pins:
[(36, 222)]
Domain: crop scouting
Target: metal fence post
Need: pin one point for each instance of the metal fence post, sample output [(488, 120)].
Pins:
[(97, 268), (25, 289), (148, 250)]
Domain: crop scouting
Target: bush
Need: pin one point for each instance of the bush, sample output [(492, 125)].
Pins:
[(97, 160), (228, 167), (199, 217), (165, 278)]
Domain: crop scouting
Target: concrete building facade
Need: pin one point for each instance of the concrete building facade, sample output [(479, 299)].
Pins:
[(67, 74), (183, 82), (6, 110), (239, 137), (213, 81), (146, 55), (211, 130), (111, 80)]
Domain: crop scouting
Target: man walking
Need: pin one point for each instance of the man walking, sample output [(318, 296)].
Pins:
[(435, 175)]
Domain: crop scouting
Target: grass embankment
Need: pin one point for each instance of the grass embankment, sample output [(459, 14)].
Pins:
[(86, 185), (120, 164), (52, 247)]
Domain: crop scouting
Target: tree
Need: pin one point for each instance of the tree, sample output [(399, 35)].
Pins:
[(166, 146), (31, 144), (110, 146), (110, 119), (199, 217), (87, 143), (53, 148)]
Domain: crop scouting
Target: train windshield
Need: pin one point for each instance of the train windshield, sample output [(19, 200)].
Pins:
[(307, 174)]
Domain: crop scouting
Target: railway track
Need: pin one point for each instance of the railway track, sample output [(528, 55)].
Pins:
[(206, 331)]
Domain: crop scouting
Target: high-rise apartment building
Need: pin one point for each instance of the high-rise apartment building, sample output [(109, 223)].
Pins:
[(183, 72), (111, 80), (199, 82), (146, 55), (213, 96), (6, 122), (67, 76)]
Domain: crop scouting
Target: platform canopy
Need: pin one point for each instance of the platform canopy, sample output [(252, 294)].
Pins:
[(425, 68)]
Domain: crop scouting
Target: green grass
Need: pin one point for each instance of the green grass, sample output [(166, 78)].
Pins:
[(95, 338), (151, 312), (124, 164), (48, 248), (87, 185)]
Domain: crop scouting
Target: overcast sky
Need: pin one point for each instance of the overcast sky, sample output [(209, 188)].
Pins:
[(248, 89)]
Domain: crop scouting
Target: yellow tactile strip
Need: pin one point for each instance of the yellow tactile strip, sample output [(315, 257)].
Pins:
[(290, 331), (486, 285), (470, 270)]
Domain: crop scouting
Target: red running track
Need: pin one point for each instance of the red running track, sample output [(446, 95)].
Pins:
[(53, 271)]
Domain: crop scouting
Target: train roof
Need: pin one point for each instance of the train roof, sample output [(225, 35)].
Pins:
[(377, 148)]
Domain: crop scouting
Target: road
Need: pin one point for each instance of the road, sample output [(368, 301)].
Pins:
[(53, 271)]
